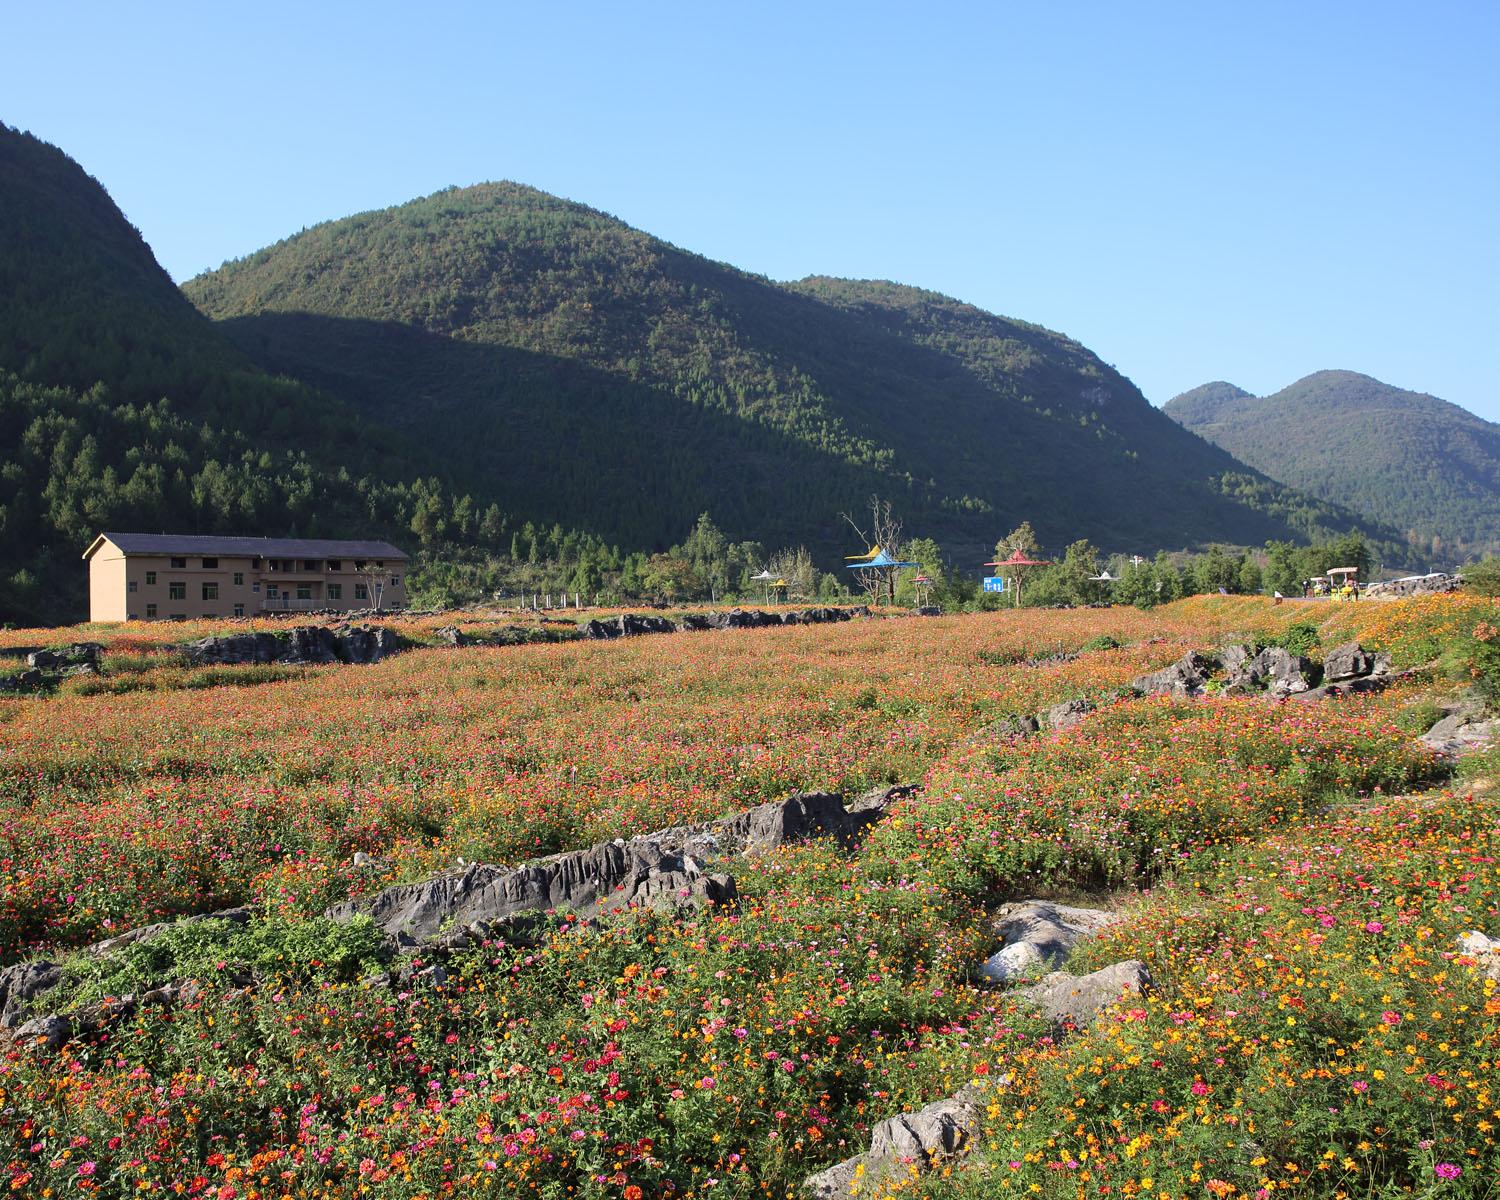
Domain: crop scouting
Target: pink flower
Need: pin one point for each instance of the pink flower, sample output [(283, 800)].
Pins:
[(1448, 1170), (1391, 1018), (1361, 1086), (1200, 1088), (87, 1169), (1373, 927)]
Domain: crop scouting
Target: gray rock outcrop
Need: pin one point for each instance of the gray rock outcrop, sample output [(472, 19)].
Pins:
[(1485, 951), (1463, 728), (1075, 1000), (1188, 676), (304, 645), (80, 656), (1039, 934), (1414, 585), (909, 1142)]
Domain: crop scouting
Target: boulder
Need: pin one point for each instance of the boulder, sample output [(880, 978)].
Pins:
[(452, 635), (900, 1145), (20, 985), (1279, 671), (1054, 929), (1075, 1000), (1349, 661), (1065, 715), (1414, 585), (112, 945), (53, 1030), (26, 681), (79, 654), (303, 645), (627, 625), (1188, 676), (1485, 951), (928, 610), (1021, 960), (588, 882)]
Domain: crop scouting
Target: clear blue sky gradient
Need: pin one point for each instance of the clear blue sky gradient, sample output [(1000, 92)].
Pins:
[(1195, 191)]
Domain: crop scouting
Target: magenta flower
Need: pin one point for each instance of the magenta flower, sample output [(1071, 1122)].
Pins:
[(1448, 1170)]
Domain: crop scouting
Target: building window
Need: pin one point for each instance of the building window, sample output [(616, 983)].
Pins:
[(130, 587), (359, 564), (335, 591), (309, 564), (177, 591), (150, 578), (150, 612), (210, 564), (210, 616), (379, 562), (255, 587), (304, 591), (361, 592), (239, 579), (179, 563), (210, 591), (395, 581), (335, 564), (178, 617), (271, 592), (239, 610)]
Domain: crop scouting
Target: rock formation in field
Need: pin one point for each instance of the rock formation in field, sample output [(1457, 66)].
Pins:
[(1464, 727), (1039, 934), (1415, 585), (663, 870), (635, 624), (306, 644), (912, 1144)]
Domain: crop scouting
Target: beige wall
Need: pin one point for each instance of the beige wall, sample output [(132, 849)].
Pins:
[(141, 587), (107, 585)]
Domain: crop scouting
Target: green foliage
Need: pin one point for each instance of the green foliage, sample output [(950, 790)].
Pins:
[(1483, 577), (1302, 638), (1413, 463), (313, 948)]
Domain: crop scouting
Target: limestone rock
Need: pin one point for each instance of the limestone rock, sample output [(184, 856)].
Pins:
[(303, 645), (1065, 715), (21, 984), (79, 654), (1075, 1000), (1349, 661), (1485, 951), (1186, 677)]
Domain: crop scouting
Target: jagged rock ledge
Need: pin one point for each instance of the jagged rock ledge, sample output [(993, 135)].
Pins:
[(664, 870), (306, 645), (636, 625)]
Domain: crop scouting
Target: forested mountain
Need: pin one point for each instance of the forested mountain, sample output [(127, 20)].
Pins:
[(498, 369), (121, 406), (1408, 460), (594, 374)]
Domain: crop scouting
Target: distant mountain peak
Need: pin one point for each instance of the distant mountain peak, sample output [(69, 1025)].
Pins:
[(1411, 460)]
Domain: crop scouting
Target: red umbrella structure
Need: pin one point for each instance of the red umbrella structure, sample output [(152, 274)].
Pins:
[(1019, 564)]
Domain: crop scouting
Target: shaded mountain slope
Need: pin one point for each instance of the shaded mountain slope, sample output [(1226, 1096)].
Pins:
[(122, 406), (1409, 460), (552, 349)]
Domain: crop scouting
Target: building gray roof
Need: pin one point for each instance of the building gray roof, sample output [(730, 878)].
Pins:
[(254, 547)]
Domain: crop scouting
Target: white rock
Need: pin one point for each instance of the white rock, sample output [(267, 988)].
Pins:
[(1020, 960)]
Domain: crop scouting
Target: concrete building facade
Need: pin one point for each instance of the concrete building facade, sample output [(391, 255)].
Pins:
[(167, 577)]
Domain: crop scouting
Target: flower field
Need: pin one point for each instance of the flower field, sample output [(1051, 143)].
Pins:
[(1294, 875)]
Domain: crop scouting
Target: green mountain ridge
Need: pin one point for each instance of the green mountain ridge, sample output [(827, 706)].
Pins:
[(463, 370), (1410, 460), (496, 312), (122, 406)]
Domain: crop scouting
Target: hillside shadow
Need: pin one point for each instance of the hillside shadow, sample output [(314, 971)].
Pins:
[(558, 441)]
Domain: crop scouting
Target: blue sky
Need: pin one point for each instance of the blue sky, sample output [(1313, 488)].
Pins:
[(1195, 191)]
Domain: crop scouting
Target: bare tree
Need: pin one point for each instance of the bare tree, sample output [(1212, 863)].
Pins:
[(884, 531)]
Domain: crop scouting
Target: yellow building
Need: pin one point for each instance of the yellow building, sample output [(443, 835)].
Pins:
[(174, 577)]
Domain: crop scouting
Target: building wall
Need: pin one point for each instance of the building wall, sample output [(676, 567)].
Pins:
[(107, 570), (149, 587)]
